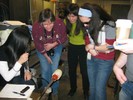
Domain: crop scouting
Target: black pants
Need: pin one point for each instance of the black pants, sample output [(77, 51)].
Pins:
[(77, 54), (20, 80)]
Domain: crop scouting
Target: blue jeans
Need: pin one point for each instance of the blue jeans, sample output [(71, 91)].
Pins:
[(126, 92), (48, 69), (98, 72)]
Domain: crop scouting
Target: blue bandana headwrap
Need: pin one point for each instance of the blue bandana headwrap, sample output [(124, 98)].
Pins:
[(85, 12)]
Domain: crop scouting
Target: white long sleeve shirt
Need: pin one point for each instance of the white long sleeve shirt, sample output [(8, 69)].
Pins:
[(9, 74)]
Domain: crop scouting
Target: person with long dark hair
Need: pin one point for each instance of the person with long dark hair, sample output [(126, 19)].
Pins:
[(13, 57), (76, 50), (49, 33), (100, 35)]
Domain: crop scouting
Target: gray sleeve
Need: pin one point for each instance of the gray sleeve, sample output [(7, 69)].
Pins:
[(110, 32)]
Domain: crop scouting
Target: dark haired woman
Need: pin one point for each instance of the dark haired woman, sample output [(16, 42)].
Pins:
[(49, 33), (76, 50), (13, 57), (100, 34)]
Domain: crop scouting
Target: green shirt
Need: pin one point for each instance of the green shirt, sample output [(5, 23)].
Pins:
[(76, 39)]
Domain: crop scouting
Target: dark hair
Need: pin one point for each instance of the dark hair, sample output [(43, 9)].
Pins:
[(16, 44), (94, 22), (62, 13), (45, 15), (73, 9), (104, 16)]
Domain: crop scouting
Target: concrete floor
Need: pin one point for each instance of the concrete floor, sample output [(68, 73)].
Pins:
[(64, 85), (64, 89)]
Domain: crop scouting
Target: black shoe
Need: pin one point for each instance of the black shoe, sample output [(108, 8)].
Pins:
[(71, 92), (86, 96)]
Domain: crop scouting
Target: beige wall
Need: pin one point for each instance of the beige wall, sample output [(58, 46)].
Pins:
[(51, 5), (106, 4), (36, 7), (47, 4)]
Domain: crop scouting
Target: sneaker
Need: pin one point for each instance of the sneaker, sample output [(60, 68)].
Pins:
[(71, 92)]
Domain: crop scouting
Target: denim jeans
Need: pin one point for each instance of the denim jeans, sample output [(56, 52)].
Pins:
[(126, 92), (48, 69), (98, 71)]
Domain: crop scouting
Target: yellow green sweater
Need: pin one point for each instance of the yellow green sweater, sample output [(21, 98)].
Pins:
[(76, 39)]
